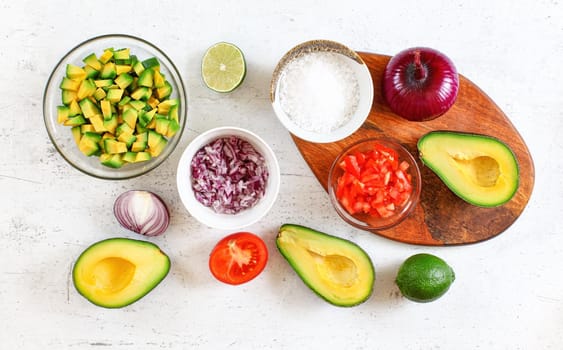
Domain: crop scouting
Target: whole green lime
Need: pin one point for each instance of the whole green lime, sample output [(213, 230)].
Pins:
[(424, 278)]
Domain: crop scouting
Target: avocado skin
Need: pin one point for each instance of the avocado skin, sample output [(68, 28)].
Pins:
[(297, 228)]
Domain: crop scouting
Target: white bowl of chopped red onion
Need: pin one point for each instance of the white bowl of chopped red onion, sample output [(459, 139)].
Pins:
[(321, 91), (228, 178)]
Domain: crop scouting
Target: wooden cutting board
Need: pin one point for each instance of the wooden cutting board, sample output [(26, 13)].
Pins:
[(441, 218)]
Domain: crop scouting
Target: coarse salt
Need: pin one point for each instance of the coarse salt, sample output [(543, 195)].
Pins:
[(319, 91)]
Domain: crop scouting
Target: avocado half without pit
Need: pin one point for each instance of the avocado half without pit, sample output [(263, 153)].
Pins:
[(116, 272), (336, 269), (480, 169)]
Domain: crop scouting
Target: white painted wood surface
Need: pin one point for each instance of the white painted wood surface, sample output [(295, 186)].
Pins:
[(509, 290)]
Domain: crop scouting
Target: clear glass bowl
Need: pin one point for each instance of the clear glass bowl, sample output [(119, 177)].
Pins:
[(61, 135), (366, 221)]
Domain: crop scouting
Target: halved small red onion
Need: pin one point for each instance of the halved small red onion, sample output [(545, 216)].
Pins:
[(142, 212)]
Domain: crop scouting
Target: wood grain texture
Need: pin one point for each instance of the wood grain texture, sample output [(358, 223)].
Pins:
[(441, 218)]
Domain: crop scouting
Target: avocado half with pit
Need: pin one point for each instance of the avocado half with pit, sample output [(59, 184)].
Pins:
[(116, 272), (480, 169), (336, 269)]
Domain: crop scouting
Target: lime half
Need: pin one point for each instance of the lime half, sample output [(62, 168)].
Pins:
[(223, 67), (424, 278)]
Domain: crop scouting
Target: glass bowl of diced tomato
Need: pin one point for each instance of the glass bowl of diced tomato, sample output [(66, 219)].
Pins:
[(374, 184)]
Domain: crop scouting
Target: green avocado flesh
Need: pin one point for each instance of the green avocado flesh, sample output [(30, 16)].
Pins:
[(479, 169), (116, 272), (336, 269)]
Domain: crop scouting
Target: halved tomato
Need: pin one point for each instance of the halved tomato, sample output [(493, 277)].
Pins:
[(238, 258)]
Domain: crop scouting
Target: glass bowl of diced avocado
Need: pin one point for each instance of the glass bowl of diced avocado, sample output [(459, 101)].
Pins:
[(115, 107)]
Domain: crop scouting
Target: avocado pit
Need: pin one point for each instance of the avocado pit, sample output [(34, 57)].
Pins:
[(484, 171)]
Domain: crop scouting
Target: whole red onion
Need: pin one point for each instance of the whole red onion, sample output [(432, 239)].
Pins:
[(420, 84)]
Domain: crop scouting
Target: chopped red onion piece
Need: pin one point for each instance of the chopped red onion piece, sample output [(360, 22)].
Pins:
[(228, 175)]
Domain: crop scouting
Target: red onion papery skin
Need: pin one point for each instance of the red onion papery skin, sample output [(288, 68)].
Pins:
[(420, 84), (142, 212)]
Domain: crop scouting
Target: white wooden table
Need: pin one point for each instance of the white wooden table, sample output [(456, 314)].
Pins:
[(509, 290)]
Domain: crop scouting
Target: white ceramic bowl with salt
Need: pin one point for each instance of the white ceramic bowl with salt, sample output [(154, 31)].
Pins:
[(321, 91), (208, 216)]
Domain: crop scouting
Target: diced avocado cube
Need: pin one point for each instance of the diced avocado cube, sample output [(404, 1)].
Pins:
[(146, 78), (103, 83), (133, 85), (91, 73), (162, 125), (106, 56), (63, 113), (143, 157), (75, 121), (111, 124), (87, 88), (141, 93), (164, 92), (127, 138), (122, 54), (105, 106), (130, 117), (124, 80), (122, 68), (139, 129), (89, 143), (124, 101), (69, 84), (122, 63), (165, 106), (88, 108), (105, 136), (92, 61), (68, 96), (158, 79), (138, 68), (138, 105), (154, 138), (87, 128), (152, 124), (74, 108), (99, 94), (114, 95), (74, 72), (138, 146), (108, 71), (123, 128), (151, 63), (153, 102), (173, 114), (98, 122), (143, 136), (159, 147), (129, 157), (146, 117), (173, 128), (112, 160), (76, 134), (113, 146)]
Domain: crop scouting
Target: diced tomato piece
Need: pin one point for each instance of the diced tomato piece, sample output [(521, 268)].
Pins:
[(404, 166), (352, 166)]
